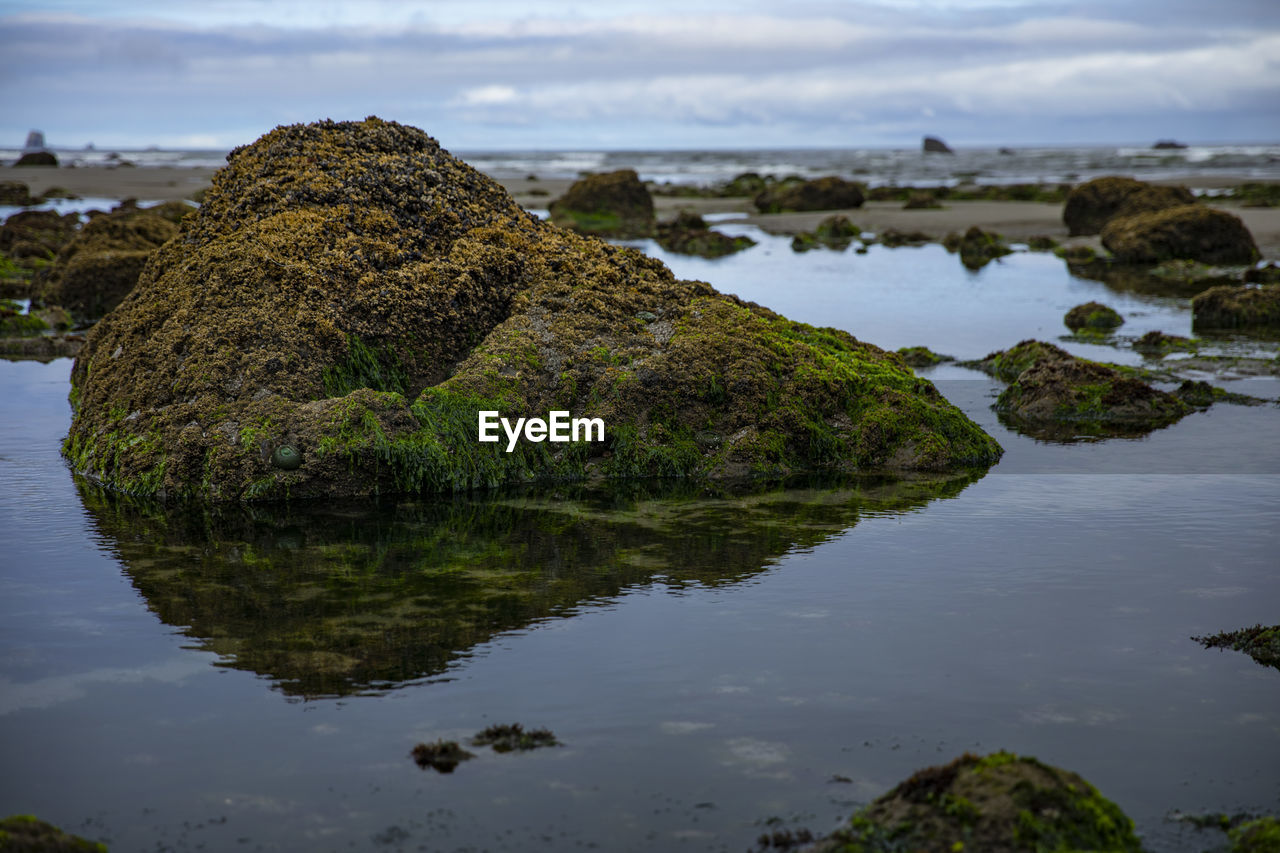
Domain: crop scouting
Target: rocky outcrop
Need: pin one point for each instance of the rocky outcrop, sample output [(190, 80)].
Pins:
[(1237, 307), (349, 297), (1188, 232), (613, 204), (830, 193), (37, 158), (1093, 316), (1093, 204), (95, 270), (999, 802), (37, 234), (688, 234), (934, 145)]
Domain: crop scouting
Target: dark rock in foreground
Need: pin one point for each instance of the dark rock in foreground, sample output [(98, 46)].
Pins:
[(689, 235), (1091, 205), (1236, 306), (1093, 316), (1189, 232), (830, 193), (613, 204), (999, 803), (1261, 642), (27, 834), (934, 145), (353, 292)]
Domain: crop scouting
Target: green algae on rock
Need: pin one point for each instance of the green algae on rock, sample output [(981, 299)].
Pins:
[(834, 232), (688, 234), (999, 803), (443, 756), (830, 193), (1093, 204), (1158, 343), (352, 290), (514, 737), (1261, 642), (612, 204), (29, 834), (1188, 232), (1237, 307), (977, 248), (1256, 836), (922, 356), (1094, 316)]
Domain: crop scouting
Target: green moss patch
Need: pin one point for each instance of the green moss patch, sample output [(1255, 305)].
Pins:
[(1093, 316), (28, 834)]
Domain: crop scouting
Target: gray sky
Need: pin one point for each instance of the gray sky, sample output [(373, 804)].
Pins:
[(663, 74)]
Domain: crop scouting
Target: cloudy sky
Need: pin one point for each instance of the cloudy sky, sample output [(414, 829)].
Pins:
[(494, 74)]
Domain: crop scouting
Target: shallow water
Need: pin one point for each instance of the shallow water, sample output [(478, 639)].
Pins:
[(711, 658)]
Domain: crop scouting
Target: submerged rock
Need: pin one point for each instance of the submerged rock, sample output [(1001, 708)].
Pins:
[(1261, 642), (96, 269), (1093, 316), (443, 756), (353, 291), (28, 834), (834, 232), (1236, 307), (513, 737), (999, 803), (1091, 205), (934, 145), (1160, 343), (977, 248), (830, 193), (1190, 232), (689, 235), (613, 204)]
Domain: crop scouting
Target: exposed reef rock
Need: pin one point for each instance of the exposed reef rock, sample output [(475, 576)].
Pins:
[(922, 356), (1000, 803), (934, 145), (353, 291), (1189, 232), (1261, 642), (36, 235), (1093, 204), (1093, 316), (689, 235), (1236, 307), (15, 192), (37, 158), (830, 193), (1158, 343), (96, 269), (977, 248), (27, 834), (613, 204), (834, 232)]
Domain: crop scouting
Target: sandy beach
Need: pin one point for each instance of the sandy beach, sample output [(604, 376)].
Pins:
[(1016, 220)]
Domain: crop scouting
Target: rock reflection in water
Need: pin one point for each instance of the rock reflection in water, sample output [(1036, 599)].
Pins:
[(330, 599)]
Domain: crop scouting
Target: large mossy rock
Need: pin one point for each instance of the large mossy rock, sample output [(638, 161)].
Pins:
[(688, 234), (1189, 232), (1093, 316), (95, 270), (1091, 205), (613, 204), (28, 834), (999, 803), (354, 292), (37, 234), (830, 193), (1237, 306)]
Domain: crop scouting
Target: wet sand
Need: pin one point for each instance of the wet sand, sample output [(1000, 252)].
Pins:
[(1016, 220)]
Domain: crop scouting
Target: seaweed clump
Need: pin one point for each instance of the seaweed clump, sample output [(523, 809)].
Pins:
[(443, 756), (28, 834), (1093, 204), (830, 193), (612, 204), (1093, 316), (514, 737), (688, 234), (999, 803), (1261, 642), (353, 291), (1234, 306)]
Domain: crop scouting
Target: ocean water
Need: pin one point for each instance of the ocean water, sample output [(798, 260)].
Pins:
[(716, 661)]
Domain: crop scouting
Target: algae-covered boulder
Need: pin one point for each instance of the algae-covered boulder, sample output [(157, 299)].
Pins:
[(351, 292), (1189, 232), (922, 356), (830, 193), (1261, 642), (834, 232), (977, 248), (1159, 343), (688, 234), (37, 234), (613, 204), (1237, 306), (95, 270), (747, 184), (15, 192), (28, 834), (1093, 316), (999, 803), (1092, 204)]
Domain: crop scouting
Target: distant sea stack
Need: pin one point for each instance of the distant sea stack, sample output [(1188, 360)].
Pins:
[(934, 145), (1169, 143)]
